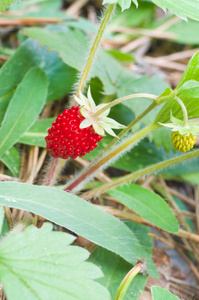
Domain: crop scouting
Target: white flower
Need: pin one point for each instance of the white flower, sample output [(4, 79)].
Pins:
[(100, 123)]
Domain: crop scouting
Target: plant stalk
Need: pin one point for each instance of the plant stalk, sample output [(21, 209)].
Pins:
[(120, 100), (110, 9), (139, 173), (117, 151), (140, 267), (184, 110)]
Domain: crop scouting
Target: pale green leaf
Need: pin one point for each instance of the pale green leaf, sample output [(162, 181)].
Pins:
[(190, 88), (5, 4), (24, 108), (148, 205), (41, 264), (160, 293), (181, 8), (78, 216)]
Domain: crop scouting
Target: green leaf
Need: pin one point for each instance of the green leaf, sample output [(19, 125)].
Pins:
[(192, 103), (181, 8), (35, 136), (190, 88), (160, 293), (5, 4), (186, 32), (148, 205), (60, 76), (41, 264), (12, 160), (24, 108), (114, 269), (191, 72), (125, 4), (78, 216), (72, 47), (2, 215)]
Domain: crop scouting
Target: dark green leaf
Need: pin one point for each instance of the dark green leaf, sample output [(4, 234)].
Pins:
[(24, 108), (148, 205), (78, 216), (12, 160), (36, 134)]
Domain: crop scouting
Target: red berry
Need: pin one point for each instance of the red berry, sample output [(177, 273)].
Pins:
[(69, 140)]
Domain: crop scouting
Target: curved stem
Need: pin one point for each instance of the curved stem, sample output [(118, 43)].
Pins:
[(93, 166), (119, 100), (184, 110), (139, 173), (117, 151), (107, 15)]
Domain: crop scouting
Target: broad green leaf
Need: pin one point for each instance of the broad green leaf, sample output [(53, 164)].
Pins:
[(12, 160), (78, 216), (148, 205), (191, 72), (186, 32), (125, 4), (181, 8), (160, 293), (24, 108), (162, 138), (60, 76), (72, 47), (36, 134), (192, 104), (41, 264), (115, 268), (5, 4), (190, 89)]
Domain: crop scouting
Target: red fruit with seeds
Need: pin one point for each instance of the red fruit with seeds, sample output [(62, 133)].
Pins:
[(67, 139)]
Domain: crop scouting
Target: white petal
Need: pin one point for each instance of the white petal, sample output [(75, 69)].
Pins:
[(78, 100), (98, 129), (112, 123), (105, 113), (84, 111), (86, 123), (84, 100), (110, 131), (90, 98)]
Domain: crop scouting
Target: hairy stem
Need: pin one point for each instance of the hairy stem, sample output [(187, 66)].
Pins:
[(89, 171), (117, 151), (107, 16), (139, 173)]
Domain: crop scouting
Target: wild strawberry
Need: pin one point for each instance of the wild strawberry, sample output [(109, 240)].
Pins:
[(183, 143), (184, 133), (76, 132)]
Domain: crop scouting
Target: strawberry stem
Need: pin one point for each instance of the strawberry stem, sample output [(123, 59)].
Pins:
[(110, 9), (135, 175), (51, 174), (120, 100), (114, 153), (92, 168)]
